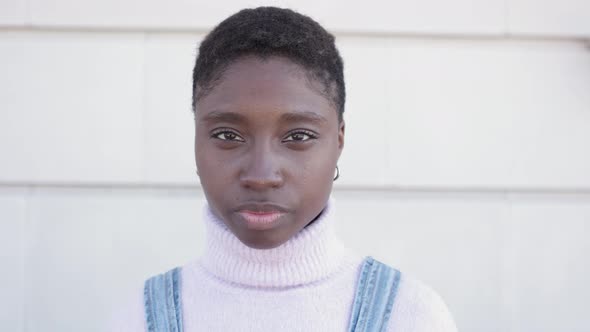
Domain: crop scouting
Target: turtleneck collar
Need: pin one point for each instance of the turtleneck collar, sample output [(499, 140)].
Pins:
[(310, 255)]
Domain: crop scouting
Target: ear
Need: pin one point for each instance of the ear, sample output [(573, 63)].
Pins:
[(341, 127)]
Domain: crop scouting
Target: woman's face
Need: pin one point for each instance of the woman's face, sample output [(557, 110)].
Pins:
[(266, 145)]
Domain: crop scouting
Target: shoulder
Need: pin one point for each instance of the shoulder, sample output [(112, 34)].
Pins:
[(129, 313), (419, 308)]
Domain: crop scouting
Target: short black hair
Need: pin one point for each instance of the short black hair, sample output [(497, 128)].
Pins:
[(266, 32)]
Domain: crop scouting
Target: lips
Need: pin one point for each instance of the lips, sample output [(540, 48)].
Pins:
[(260, 216)]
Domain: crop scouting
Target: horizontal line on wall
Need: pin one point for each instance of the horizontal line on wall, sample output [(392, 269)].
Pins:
[(343, 33), (337, 187)]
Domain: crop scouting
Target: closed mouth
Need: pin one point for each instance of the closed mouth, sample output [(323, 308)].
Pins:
[(261, 218), (261, 215), (261, 208)]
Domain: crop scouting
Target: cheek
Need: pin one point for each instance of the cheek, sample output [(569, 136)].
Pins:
[(313, 185), (314, 171), (213, 168)]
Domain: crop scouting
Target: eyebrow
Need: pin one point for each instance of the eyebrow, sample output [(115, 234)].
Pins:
[(296, 116), (303, 116), (219, 116)]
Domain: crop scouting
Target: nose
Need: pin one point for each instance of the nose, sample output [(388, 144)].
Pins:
[(262, 170)]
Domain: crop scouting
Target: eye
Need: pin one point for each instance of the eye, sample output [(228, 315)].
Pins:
[(227, 135), (299, 136)]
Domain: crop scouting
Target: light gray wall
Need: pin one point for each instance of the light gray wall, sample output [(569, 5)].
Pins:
[(467, 158)]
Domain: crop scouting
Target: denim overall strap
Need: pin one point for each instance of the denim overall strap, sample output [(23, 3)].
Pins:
[(375, 293), (163, 310)]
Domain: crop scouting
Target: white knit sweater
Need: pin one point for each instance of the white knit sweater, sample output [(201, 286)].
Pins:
[(306, 284)]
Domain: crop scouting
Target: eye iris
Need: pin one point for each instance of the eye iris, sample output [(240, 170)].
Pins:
[(229, 136), (298, 136)]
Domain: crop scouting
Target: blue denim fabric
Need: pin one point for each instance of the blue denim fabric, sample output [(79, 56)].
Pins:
[(163, 310), (375, 293)]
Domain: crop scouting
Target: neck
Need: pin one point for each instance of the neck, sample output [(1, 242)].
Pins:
[(309, 256)]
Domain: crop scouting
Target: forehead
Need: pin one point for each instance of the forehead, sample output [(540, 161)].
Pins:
[(253, 85)]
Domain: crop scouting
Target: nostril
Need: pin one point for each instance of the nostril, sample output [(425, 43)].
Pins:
[(261, 183), (262, 170)]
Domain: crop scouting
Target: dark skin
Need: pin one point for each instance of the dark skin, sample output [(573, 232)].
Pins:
[(267, 138)]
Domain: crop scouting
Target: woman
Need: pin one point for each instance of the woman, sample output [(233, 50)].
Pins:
[(268, 99)]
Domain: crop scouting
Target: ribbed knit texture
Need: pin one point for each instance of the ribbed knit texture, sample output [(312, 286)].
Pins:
[(306, 284), (311, 255)]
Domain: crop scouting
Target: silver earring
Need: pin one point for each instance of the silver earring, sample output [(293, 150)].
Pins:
[(337, 173)]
